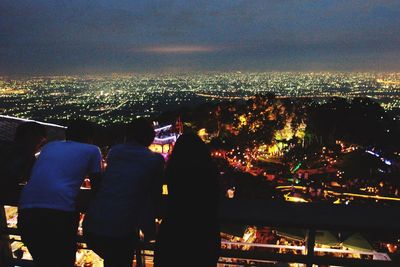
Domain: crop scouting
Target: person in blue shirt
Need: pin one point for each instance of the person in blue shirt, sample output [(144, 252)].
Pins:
[(129, 193), (48, 218)]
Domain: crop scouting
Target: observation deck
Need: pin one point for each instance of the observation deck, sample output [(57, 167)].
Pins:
[(311, 217)]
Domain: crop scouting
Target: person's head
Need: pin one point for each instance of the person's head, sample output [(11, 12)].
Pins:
[(190, 163), (30, 134), (80, 131), (189, 148), (140, 131)]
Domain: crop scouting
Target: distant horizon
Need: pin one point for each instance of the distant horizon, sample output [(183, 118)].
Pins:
[(110, 74)]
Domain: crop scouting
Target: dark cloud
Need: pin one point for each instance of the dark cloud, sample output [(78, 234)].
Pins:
[(46, 36)]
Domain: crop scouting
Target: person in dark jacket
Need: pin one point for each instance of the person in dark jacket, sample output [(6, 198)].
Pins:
[(18, 156), (189, 233), (127, 198)]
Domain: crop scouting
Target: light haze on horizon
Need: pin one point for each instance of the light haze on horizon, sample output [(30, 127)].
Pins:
[(44, 37)]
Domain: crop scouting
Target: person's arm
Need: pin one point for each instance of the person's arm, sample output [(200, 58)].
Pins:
[(149, 228), (158, 188), (95, 170), (95, 181)]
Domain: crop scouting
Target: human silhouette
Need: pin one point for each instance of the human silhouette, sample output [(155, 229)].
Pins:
[(189, 233), (18, 156), (126, 200), (48, 202)]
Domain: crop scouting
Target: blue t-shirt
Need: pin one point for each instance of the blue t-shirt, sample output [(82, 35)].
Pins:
[(58, 174)]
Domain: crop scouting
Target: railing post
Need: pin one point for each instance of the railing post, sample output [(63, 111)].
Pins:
[(310, 243), (5, 248), (140, 259)]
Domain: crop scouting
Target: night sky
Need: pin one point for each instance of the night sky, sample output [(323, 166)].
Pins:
[(105, 36)]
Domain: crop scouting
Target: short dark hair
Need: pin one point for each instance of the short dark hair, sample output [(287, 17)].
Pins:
[(79, 131), (28, 131), (141, 131)]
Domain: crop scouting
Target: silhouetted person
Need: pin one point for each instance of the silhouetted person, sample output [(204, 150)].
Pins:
[(47, 206), (127, 197), (17, 157), (189, 234)]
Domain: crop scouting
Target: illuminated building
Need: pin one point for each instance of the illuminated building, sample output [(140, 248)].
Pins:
[(164, 140)]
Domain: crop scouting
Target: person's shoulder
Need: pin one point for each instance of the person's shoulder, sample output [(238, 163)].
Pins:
[(87, 147), (156, 157), (118, 147), (93, 148), (51, 144)]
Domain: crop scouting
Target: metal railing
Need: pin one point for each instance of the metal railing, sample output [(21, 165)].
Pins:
[(311, 216)]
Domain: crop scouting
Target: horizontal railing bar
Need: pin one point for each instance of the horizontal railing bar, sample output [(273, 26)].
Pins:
[(320, 216), (325, 260), (267, 256), (150, 246), (263, 245), (317, 249), (21, 262), (266, 259), (371, 219), (275, 257), (259, 263), (26, 263)]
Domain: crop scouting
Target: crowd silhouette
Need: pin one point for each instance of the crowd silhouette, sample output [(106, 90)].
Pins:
[(126, 198)]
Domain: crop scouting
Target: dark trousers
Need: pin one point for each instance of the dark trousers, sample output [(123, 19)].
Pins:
[(116, 252), (50, 236)]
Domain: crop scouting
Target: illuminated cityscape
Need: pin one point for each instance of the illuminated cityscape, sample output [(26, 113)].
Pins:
[(270, 134), (296, 102), (120, 98)]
